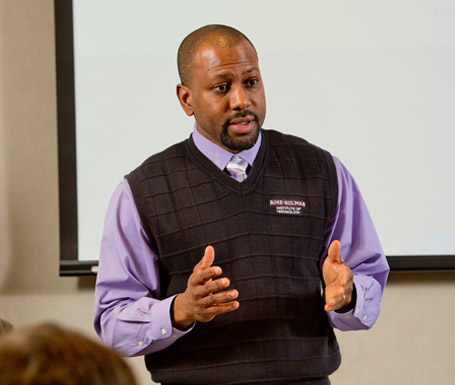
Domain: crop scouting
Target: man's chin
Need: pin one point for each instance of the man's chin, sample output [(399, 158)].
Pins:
[(240, 142)]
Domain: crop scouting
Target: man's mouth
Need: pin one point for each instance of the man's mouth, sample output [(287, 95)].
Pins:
[(242, 121), (242, 125)]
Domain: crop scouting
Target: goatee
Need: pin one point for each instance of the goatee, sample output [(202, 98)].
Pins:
[(243, 142)]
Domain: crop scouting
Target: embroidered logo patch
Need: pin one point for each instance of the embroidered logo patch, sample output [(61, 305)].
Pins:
[(288, 206)]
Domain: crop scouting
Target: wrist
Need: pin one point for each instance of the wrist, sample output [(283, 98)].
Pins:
[(178, 315)]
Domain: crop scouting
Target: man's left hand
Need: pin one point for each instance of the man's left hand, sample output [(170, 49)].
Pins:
[(338, 279)]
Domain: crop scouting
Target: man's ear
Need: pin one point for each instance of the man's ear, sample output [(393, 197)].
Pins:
[(185, 99)]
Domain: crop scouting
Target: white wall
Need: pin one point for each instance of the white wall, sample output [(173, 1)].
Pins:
[(370, 81), (412, 343)]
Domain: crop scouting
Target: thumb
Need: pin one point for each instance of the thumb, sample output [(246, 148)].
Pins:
[(334, 252), (208, 258)]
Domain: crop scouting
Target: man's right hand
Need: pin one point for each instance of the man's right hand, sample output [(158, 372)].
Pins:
[(203, 298)]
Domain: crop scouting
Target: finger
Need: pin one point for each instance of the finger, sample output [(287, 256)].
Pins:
[(340, 298), (221, 308), (342, 278), (219, 298), (204, 276), (208, 258), (217, 285), (334, 252), (348, 282), (335, 303), (339, 302), (345, 284), (331, 303), (345, 275), (332, 294), (204, 288)]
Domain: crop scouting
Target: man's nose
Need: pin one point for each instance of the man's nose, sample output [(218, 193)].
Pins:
[(239, 99)]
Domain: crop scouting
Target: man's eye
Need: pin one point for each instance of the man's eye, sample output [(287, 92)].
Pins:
[(222, 87), (251, 82)]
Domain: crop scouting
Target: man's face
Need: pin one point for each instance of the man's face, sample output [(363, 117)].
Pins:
[(226, 95)]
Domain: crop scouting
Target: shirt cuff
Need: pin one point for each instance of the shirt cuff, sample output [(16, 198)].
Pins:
[(366, 310), (161, 333)]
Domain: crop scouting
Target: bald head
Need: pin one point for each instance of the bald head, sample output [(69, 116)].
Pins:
[(214, 34)]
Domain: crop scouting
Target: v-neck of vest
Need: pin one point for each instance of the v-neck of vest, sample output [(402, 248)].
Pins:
[(223, 177)]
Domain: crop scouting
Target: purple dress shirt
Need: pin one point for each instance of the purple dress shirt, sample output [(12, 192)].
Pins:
[(130, 314)]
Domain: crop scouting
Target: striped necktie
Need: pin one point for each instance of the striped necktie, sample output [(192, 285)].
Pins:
[(236, 167)]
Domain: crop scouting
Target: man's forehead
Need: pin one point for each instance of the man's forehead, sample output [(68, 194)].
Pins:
[(245, 66), (212, 57)]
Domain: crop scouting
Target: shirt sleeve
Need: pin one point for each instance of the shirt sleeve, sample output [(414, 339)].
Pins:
[(130, 316), (361, 250)]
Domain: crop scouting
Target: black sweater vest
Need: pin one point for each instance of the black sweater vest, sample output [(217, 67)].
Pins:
[(268, 238)]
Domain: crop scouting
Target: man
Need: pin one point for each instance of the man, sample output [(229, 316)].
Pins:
[(215, 251)]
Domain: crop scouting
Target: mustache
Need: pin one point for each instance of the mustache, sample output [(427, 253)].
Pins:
[(244, 114), (240, 114)]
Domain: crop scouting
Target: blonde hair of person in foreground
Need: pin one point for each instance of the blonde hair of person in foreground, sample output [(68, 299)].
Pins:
[(47, 354)]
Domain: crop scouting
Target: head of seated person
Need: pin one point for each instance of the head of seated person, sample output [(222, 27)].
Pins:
[(47, 354), (5, 327)]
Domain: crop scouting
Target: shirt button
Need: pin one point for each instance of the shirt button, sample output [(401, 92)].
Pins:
[(357, 311), (174, 336), (140, 343), (163, 331), (365, 318)]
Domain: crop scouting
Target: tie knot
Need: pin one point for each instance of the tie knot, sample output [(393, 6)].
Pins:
[(237, 168)]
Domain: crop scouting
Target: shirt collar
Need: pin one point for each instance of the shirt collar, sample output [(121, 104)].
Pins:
[(218, 155)]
